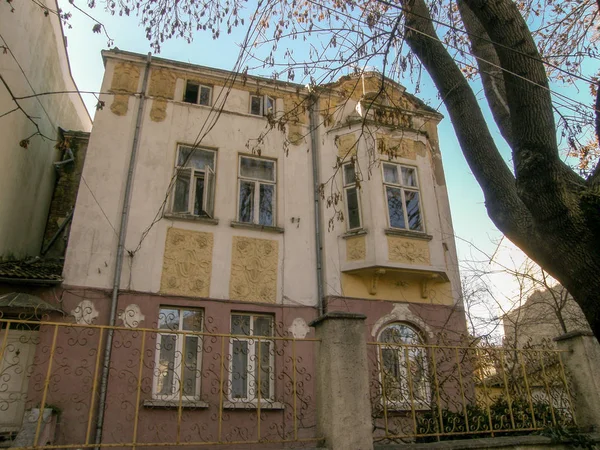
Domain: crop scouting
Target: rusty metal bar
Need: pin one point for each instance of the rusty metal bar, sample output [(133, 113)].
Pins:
[(136, 418), (46, 386), (94, 387), (487, 398), (547, 388), (383, 390), (508, 397)]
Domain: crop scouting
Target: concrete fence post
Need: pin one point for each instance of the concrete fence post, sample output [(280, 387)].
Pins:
[(342, 380), (582, 363)]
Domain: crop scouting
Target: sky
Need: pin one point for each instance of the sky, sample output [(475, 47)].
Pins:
[(474, 230)]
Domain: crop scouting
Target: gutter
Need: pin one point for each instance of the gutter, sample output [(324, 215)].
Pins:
[(119, 260), (314, 144)]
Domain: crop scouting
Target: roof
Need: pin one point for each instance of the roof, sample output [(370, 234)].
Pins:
[(34, 271)]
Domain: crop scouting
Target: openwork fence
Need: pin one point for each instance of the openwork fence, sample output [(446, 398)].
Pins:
[(427, 393), (173, 385)]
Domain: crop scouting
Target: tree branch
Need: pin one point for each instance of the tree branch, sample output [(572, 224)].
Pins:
[(504, 206), (542, 178), (488, 63)]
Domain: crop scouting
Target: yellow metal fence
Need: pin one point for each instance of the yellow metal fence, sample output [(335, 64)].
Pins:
[(427, 393), (166, 386)]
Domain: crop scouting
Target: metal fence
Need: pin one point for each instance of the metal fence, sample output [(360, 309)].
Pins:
[(427, 393), (173, 385)]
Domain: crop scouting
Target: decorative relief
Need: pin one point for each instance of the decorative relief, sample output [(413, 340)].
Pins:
[(401, 312), (187, 264), (132, 316), (346, 145), (356, 248), (408, 251), (162, 84), (396, 147), (158, 113), (125, 78), (124, 82), (254, 270), (120, 104), (85, 313), (299, 328)]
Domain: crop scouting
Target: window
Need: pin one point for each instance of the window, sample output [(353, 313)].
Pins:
[(262, 105), (402, 195), (178, 356), (195, 181), (351, 196), (197, 93), (404, 371), (252, 358), (257, 191)]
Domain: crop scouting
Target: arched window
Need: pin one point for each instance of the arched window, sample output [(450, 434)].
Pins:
[(404, 367)]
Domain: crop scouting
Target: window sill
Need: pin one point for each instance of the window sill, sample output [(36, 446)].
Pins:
[(192, 218), (253, 226), (254, 405), (175, 404), (406, 233), (353, 233)]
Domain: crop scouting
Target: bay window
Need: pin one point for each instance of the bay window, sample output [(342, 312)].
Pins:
[(402, 197)]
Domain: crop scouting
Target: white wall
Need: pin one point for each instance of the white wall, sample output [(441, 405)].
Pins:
[(27, 179)]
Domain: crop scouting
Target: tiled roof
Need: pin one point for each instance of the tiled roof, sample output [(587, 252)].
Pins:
[(36, 269)]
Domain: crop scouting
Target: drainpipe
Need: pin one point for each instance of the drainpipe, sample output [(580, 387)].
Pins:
[(314, 142), (119, 261)]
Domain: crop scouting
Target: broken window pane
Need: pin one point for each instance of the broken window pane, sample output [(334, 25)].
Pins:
[(191, 92)]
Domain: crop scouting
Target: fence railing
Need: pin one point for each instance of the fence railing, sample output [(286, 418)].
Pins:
[(426, 393), (166, 387)]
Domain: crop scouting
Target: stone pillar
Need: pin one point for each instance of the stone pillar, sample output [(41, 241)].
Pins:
[(342, 380), (582, 363)]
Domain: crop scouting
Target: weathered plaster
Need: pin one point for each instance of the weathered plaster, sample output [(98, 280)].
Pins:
[(158, 112), (131, 316), (299, 328), (187, 263), (396, 147), (400, 313), (254, 270)]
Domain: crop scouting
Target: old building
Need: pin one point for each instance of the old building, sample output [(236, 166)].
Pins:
[(221, 214)]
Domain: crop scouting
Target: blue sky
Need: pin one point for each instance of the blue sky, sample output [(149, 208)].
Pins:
[(470, 219)]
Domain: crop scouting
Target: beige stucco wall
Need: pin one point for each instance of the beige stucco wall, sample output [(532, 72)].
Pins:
[(91, 254), (27, 174)]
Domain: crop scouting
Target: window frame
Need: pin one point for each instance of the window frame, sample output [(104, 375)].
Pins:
[(402, 187), (263, 109), (199, 95), (256, 200), (252, 357), (407, 398), (178, 357), (349, 186), (208, 176)]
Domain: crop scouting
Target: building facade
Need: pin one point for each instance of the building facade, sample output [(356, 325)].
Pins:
[(246, 208)]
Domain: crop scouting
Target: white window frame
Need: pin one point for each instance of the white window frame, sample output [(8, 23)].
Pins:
[(347, 187), (178, 363), (199, 96), (404, 403), (263, 110), (257, 182), (403, 188), (252, 357), (208, 176)]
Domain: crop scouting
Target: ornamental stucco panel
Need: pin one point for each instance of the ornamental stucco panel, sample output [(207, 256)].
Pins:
[(254, 266), (187, 264), (408, 251), (395, 147), (346, 145), (356, 248), (124, 82)]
